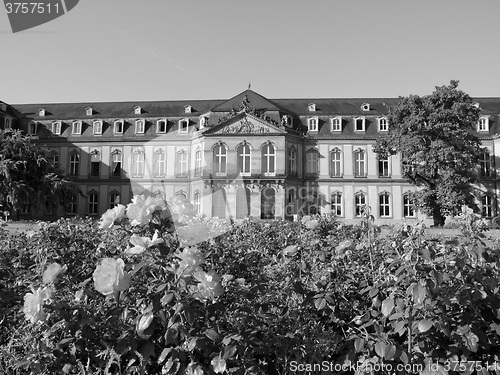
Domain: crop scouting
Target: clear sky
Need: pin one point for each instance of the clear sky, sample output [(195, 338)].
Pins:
[(134, 50)]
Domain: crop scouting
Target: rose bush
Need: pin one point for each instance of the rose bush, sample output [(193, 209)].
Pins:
[(253, 301)]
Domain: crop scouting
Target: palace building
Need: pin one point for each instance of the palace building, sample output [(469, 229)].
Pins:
[(249, 155)]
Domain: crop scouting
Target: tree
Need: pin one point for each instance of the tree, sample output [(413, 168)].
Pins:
[(28, 175), (435, 137)]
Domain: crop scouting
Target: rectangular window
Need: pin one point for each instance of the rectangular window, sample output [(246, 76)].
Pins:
[(93, 203), (138, 164), (97, 128), (181, 164), (74, 163), (383, 125), (71, 206), (116, 164), (95, 164), (485, 164), (359, 204), (312, 166), (383, 167), (55, 161), (337, 124), (76, 128), (114, 199), (159, 164), (8, 123), (313, 124), (118, 127), (197, 166), (336, 204), (483, 124), (32, 128), (359, 164), (183, 126), (161, 126), (359, 124), (56, 127), (292, 158), (408, 206), (139, 127), (384, 205), (335, 163), (487, 203)]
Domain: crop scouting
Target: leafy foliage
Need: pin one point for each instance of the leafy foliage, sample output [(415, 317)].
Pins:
[(28, 175), (294, 293), (439, 150)]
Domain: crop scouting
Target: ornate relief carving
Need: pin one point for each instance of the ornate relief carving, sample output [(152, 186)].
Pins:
[(244, 127)]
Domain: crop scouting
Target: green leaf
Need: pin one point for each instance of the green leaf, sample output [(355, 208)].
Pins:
[(320, 303), (400, 327), (212, 334), (358, 344), (387, 306), (424, 325), (230, 351), (380, 348), (390, 351)]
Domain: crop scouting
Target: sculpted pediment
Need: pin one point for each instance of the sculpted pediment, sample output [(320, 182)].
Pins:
[(247, 124)]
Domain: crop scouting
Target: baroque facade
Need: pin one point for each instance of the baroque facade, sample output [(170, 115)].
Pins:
[(249, 155)]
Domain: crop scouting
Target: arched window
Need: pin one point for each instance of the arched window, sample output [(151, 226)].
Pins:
[(181, 164), (359, 204), (116, 163), (219, 203), (384, 204), (220, 160), (74, 164), (487, 205), (159, 163), (336, 203), (269, 159), (242, 203), (244, 162), (359, 163), (335, 163), (267, 203), (138, 163)]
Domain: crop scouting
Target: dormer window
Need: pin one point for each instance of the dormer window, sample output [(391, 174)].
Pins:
[(32, 128), (483, 124), (365, 107), (336, 124), (383, 124), (139, 126), (118, 127), (287, 120), (137, 110), (311, 107), (359, 124), (188, 109), (41, 112), (56, 127), (476, 104), (76, 128), (183, 125), (97, 127), (7, 123), (161, 126), (312, 124), (89, 111), (203, 121)]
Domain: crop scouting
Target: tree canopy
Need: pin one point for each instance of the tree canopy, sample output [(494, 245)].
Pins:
[(435, 137), (29, 176)]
